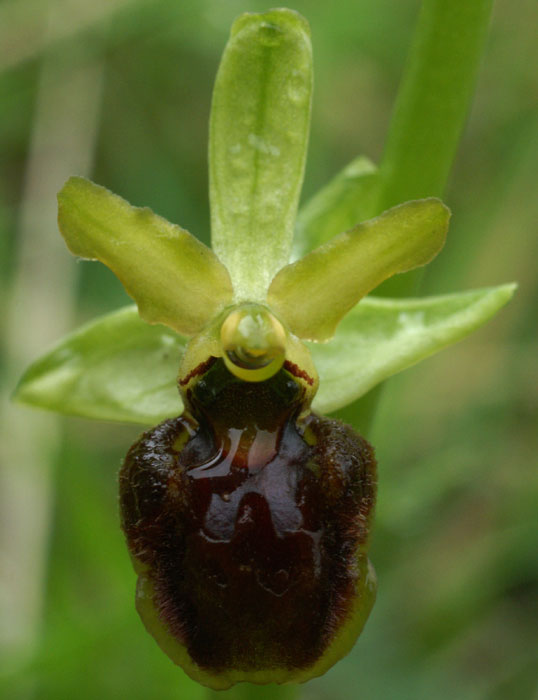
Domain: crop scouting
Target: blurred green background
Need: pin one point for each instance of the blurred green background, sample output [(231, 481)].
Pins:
[(120, 90)]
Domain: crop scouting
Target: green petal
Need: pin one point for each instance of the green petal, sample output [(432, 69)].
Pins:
[(116, 368), (383, 336), (258, 137), (313, 294), (340, 205), (174, 279)]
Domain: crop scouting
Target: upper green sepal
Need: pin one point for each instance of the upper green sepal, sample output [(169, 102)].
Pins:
[(174, 279), (313, 294), (258, 135)]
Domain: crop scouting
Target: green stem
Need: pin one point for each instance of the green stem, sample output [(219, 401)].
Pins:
[(431, 108), (429, 114), (433, 99)]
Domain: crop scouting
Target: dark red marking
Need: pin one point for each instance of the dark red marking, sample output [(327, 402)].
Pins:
[(198, 370), (292, 368)]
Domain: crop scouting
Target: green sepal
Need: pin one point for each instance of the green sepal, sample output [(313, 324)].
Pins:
[(116, 368), (120, 368), (381, 337), (258, 137), (174, 278), (313, 294), (338, 206)]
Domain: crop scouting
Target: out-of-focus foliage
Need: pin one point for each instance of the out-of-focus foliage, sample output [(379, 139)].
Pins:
[(456, 437)]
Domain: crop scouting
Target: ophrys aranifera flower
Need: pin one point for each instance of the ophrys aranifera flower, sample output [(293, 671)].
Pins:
[(248, 516)]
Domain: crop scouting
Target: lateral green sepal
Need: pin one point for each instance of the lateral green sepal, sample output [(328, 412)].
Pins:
[(120, 368), (381, 337), (116, 368)]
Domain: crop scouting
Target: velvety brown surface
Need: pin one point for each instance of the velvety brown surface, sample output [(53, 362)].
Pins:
[(249, 521)]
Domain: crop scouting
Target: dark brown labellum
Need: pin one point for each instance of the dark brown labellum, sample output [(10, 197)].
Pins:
[(248, 523)]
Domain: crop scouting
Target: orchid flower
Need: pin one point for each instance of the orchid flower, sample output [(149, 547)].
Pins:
[(246, 512)]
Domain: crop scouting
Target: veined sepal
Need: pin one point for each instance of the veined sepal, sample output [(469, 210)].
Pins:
[(120, 368), (258, 135)]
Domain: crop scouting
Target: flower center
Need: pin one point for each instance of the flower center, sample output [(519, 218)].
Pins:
[(253, 343)]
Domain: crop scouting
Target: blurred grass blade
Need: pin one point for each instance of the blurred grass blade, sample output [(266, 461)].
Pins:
[(345, 201), (383, 336), (314, 293), (116, 368), (174, 279), (259, 126)]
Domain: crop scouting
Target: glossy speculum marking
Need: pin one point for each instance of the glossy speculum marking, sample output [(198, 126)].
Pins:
[(248, 522)]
